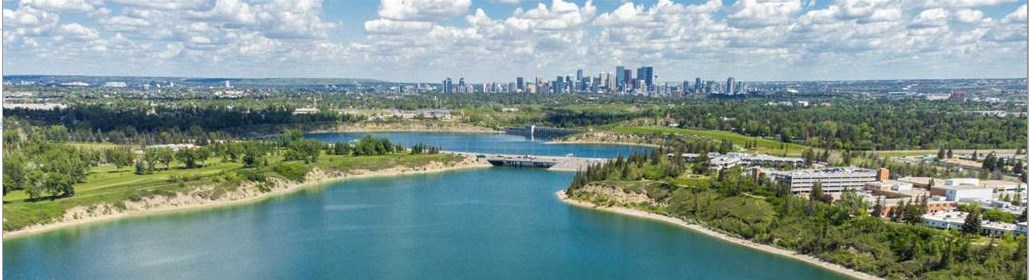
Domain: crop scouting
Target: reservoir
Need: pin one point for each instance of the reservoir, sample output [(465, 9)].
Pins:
[(496, 223)]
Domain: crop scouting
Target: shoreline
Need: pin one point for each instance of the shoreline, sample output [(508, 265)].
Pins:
[(248, 196), (454, 127), (722, 236), (573, 142)]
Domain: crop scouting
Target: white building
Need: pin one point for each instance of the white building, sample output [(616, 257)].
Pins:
[(115, 84), (1003, 186), (729, 160), (956, 220), (945, 220), (720, 163), (305, 111), (961, 181), (889, 185), (966, 192), (833, 180), (998, 229)]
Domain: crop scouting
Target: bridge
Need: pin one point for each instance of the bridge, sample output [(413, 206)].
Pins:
[(568, 163)]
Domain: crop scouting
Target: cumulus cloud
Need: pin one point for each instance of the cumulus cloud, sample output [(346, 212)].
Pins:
[(59, 5), (968, 16), (423, 10), (966, 3), (931, 18), (260, 37), (763, 13)]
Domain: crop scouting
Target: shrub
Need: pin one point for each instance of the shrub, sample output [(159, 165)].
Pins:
[(291, 170)]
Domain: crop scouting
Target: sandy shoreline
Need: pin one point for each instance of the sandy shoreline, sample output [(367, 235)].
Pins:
[(176, 205), (741, 242)]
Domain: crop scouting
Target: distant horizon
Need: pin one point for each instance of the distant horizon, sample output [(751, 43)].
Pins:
[(5, 76), (411, 41)]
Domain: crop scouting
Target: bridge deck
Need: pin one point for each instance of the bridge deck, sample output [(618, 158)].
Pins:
[(547, 162)]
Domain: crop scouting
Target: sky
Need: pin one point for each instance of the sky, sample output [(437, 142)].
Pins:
[(498, 40)]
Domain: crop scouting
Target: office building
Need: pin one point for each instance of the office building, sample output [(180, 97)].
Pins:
[(620, 76), (833, 180), (645, 76), (627, 83), (559, 84)]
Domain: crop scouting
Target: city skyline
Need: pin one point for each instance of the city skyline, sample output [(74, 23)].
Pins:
[(416, 41)]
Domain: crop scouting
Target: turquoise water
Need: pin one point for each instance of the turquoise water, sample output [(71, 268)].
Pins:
[(496, 223), (490, 143)]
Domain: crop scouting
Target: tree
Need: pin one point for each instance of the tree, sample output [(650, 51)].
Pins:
[(119, 157), (877, 210), (14, 173), (973, 222), (188, 157), (151, 160), (59, 185), (912, 212), (34, 184), (141, 168), (700, 166), (160, 155), (725, 147), (854, 204)]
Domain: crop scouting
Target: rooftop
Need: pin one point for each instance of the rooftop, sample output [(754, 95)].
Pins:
[(831, 171), (962, 187)]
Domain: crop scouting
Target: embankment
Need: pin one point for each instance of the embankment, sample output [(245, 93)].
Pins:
[(247, 192)]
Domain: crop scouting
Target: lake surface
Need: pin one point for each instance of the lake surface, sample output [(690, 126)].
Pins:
[(490, 143), (496, 223)]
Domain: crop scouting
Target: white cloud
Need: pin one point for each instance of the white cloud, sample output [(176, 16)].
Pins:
[(753, 13), (560, 15), (78, 32), (965, 3), (235, 12), (293, 19), (59, 5), (1019, 15), (708, 7), (931, 18), (388, 26), (168, 5), (968, 16), (765, 38), (423, 10)]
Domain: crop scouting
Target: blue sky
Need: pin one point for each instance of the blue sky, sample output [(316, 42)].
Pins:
[(497, 40)]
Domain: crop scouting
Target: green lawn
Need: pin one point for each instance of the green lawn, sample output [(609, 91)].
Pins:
[(767, 146)]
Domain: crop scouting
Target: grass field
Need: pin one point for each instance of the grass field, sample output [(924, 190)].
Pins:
[(94, 146), (766, 146), (106, 184)]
